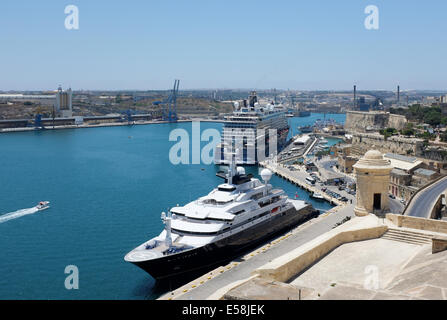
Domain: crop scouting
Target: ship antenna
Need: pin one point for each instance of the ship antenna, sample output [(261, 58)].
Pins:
[(232, 171), (166, 218)]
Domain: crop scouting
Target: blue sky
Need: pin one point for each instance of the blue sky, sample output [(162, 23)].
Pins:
[(146, 44)]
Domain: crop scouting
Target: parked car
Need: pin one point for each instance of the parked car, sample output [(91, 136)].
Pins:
[(392, 196)]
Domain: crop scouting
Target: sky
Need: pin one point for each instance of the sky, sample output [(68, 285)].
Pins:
[(251, 44)]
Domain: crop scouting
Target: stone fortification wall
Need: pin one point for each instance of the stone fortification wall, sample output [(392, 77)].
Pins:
[(373, 121), (435, 154), (363, 142), (397, 121)]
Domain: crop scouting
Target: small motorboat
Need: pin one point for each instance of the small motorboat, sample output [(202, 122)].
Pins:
[(43, 205), (317, 196)]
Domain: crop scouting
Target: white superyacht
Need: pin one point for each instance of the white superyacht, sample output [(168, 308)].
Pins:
[(237, 215)]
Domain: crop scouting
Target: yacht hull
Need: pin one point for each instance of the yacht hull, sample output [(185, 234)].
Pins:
[(226, 249)]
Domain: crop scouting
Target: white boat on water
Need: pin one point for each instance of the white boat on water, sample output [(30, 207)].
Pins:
[(43, 205), (234, 217), (317, 196)]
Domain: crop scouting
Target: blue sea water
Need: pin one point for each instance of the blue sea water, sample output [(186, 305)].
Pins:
[(305, 121), (107, 188)]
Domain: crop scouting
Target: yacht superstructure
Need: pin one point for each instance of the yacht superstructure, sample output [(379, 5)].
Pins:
[(253, 131), (233, 217)]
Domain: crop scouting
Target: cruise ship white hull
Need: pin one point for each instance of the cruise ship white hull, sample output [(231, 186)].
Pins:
[(253, 132), (258, 152), (226, 249)]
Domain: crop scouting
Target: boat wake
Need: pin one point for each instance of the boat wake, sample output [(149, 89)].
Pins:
[(17, 214)]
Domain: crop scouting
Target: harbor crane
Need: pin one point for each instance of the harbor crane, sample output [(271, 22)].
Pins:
[(170, 104)]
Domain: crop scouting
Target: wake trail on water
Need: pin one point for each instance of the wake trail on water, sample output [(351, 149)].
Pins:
[(17, 214)]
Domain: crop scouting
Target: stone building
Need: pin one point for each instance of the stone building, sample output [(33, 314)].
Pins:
[(404, 163), (373, 180), (345, 161), (433, 156), (422, 177), (400, 184), (408, 175)]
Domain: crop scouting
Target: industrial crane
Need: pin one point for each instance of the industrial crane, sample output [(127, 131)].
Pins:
[(170, 111)]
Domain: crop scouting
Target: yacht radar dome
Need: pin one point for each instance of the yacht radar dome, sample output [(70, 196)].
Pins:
[(266, 175), (236, 105)]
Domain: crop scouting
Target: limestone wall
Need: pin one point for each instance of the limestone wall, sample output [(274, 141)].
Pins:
[(397, 121), (435, 154), (363, 142), (439, 244), (291, 264), (418, 223), (357, 121)]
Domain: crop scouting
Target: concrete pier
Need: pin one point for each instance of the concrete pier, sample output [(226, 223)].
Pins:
[(299, 179)]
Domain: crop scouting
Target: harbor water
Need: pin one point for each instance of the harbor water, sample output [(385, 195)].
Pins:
[(107, 187)]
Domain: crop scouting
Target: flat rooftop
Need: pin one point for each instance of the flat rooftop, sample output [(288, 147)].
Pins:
[(402, 162), (425, 172)]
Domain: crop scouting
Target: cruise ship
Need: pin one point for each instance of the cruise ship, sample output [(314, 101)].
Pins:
[(234, 217), (249, 128)]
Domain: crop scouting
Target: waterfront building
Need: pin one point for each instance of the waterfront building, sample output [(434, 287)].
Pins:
[(302, 140)]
